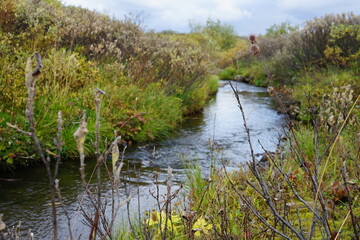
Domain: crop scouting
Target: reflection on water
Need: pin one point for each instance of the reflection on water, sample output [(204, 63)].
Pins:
[(27, 198)]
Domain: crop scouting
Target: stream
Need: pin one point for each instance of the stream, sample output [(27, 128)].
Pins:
[(218, 127)]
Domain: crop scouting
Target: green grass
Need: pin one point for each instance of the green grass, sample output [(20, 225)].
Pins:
[(212, 83)]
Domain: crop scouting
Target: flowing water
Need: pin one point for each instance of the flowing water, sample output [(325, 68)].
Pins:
[(219, 128)]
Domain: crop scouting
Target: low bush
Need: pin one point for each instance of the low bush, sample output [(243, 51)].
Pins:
[(228, 73)]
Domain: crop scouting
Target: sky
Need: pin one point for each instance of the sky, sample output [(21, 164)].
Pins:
[(246, 16)]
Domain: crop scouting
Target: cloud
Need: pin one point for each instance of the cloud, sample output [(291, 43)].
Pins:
[(90, 4), (311, 4), (247, 16), (177, 15)]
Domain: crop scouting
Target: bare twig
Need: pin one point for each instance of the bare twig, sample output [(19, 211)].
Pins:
[(100, 159), (353, 219), (19, 130), (168, 200), (286, 177), (80, 135), (59, 144), (63, 207)]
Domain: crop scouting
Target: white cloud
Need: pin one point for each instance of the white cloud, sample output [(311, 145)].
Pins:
[(90, 4), (311, 4), (247, 16), (165, 15)]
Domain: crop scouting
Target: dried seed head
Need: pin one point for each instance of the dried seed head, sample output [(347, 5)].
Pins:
[(255, 49), (252, 38), (2, 224), (80, 135)]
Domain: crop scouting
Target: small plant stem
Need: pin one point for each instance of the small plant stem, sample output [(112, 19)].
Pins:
[(59, 144), (100, 160), (353, 219), (168, 201), (343, 223), (63, 207)]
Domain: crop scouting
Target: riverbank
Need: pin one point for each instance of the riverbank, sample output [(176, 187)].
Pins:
[(151, 80)]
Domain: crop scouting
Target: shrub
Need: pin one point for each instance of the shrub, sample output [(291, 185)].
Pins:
[(177, 65), (228, 73), (343, 49), (308, 46), (215, 34), (7, 15), (282, 29), (233, 55), (329, 40)]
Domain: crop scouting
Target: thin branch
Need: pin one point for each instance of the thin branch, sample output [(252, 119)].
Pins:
[(19, 130), (353, 219), (63, 207)]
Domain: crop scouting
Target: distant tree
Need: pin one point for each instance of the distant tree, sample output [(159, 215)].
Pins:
[(223, 35), (281, 29), (168, 32)]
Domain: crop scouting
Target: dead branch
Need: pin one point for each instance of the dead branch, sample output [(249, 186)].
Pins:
[(19, 130)]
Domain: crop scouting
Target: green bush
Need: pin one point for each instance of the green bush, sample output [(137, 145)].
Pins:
[(212, 83), (282, 29), (343, 49), (215, 35), (228, 73), (307, 48)]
